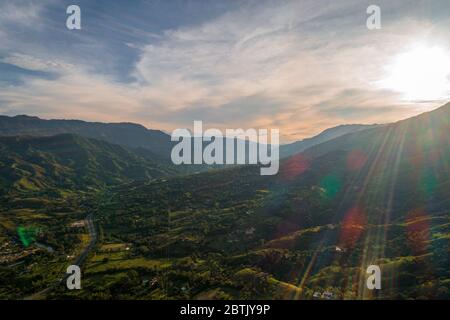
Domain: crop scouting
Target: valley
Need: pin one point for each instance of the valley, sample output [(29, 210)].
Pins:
[(377, 196)]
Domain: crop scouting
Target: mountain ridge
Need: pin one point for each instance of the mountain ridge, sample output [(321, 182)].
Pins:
[(135, 135), (123, 133), (70, 161)]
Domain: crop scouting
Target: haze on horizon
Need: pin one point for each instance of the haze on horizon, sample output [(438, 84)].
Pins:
[(300, 66)]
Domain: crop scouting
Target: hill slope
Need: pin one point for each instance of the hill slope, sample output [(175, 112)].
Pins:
[(70, 162), (326, 135), (125, 134), (156, 143), (379, 196)]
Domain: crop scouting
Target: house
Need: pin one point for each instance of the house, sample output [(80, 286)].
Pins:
[(327, 295), (153, 283), (250, 231), (78, 224)]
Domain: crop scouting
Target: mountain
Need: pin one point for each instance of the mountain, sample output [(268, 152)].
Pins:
[(69, 162), (153, 144), (125, 134), (326, 135), (406, 162), (150, 143), (375, 197), (379, 196)]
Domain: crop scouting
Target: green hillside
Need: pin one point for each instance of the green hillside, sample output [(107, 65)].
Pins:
[(379, 196), (125, 134), (69, 162), (374, 197), (44, 184)]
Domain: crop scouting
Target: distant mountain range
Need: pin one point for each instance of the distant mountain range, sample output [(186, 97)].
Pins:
[(125, 134), (156, 143)]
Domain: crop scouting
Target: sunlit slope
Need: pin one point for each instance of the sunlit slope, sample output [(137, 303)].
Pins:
[(32, 164)]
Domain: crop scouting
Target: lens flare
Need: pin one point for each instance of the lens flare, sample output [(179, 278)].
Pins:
[(294, 167), (331, 184), (418, 231), (428, 182), (353, 225), (356, 159), (27, 235)]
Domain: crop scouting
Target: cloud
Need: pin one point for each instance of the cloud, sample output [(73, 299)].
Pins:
[(294, 65), (36, 64), (291, 59), (20, 13), (73, 95)]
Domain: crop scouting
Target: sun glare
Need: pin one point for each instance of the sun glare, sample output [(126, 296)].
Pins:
[(420, 74)]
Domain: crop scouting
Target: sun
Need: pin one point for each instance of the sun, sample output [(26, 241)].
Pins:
[(423, 73)]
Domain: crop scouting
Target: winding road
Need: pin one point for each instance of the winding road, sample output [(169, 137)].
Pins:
[(79, 260)]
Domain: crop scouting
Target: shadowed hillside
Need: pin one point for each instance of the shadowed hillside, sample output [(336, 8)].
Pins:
[(125, 134)]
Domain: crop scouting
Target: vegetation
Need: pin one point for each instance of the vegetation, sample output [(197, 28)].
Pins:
[(378, 196)]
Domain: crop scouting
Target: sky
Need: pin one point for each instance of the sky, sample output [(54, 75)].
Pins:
[(298, 66)]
